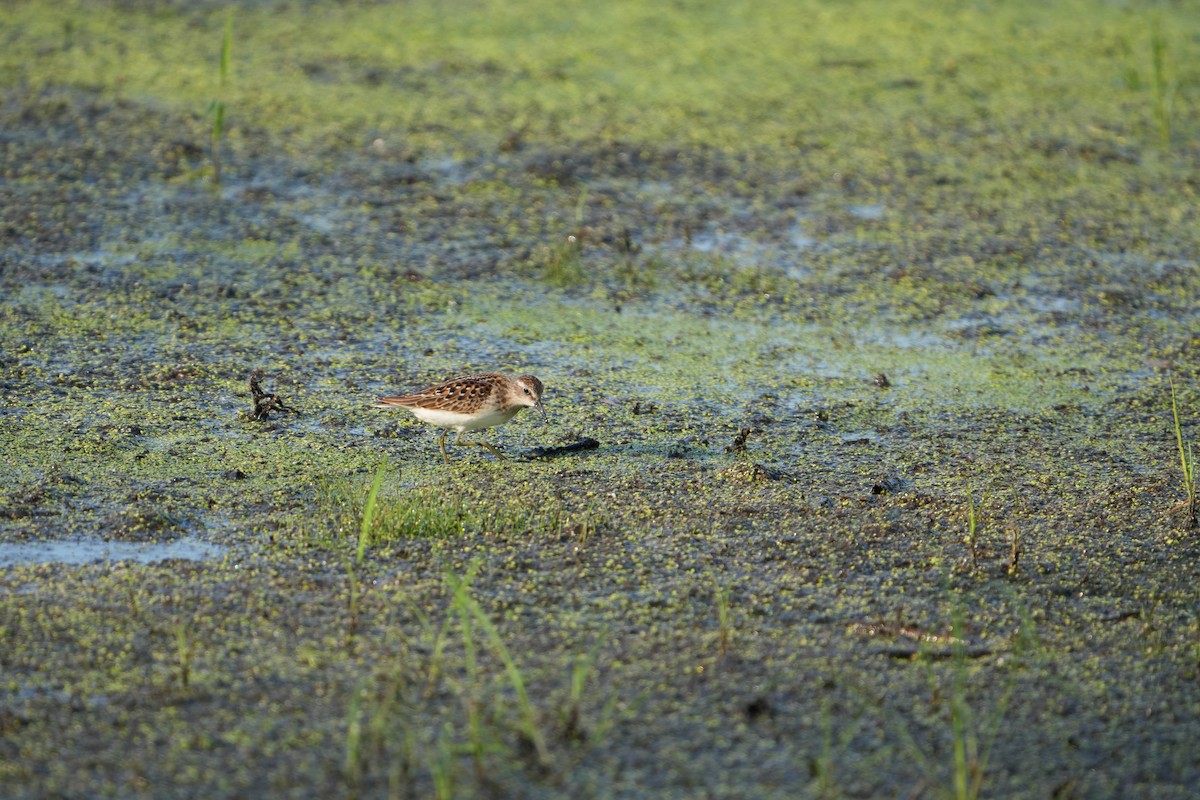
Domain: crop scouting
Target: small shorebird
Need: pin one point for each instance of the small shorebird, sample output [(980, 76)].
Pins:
[(471, 403)]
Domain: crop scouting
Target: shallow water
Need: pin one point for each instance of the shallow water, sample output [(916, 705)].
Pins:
[(91, 552), (779, 573)]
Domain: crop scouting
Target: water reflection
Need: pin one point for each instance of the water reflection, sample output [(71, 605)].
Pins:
[(90, 552)]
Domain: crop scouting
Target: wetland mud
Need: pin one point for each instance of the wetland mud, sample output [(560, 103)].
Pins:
[(877, 318)]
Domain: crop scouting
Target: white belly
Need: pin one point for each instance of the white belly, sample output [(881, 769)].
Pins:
[(464, 422)]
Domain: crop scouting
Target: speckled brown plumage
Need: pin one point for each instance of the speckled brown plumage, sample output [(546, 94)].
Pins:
[(470, 403)]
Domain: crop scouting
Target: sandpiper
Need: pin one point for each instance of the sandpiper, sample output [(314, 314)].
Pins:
[(471, 403)]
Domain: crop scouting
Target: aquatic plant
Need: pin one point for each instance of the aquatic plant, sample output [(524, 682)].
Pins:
[(441, 766), (562, 263), (822, 765), (367, 524), (216, 109), (370, 515), (185, 651), (387, 723), (1014, 549), (972, 737), (1162, 90), (724, 627), (1187, 465), (469, 615), (972, 538), (582, 668), (386, 514), (353, 763)]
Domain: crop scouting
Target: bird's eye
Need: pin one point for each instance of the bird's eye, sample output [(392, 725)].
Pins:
[(526, 389)]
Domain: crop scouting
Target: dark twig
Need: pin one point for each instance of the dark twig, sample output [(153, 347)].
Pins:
[(265, 403), (739, 441)]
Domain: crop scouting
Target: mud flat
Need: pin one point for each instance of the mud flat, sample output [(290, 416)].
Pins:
[(875, 320)]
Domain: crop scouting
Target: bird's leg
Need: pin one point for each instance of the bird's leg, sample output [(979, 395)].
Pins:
[(442, 442), (493, 450), (458, 440)]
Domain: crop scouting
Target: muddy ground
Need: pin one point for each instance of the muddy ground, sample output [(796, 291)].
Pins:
[(875, 318)]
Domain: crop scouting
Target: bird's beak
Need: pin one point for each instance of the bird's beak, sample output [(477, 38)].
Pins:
[(542, 409)]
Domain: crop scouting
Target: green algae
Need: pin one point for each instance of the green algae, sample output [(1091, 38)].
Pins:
[(765, 558)]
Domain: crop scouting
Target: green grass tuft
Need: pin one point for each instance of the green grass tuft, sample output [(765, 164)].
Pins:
[(1162, 89), (185, 652), (217, 108), (470, 614), (971, 538), (1187, 465), (370, 515)]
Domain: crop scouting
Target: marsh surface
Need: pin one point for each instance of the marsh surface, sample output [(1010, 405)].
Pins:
[(874, 316)]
